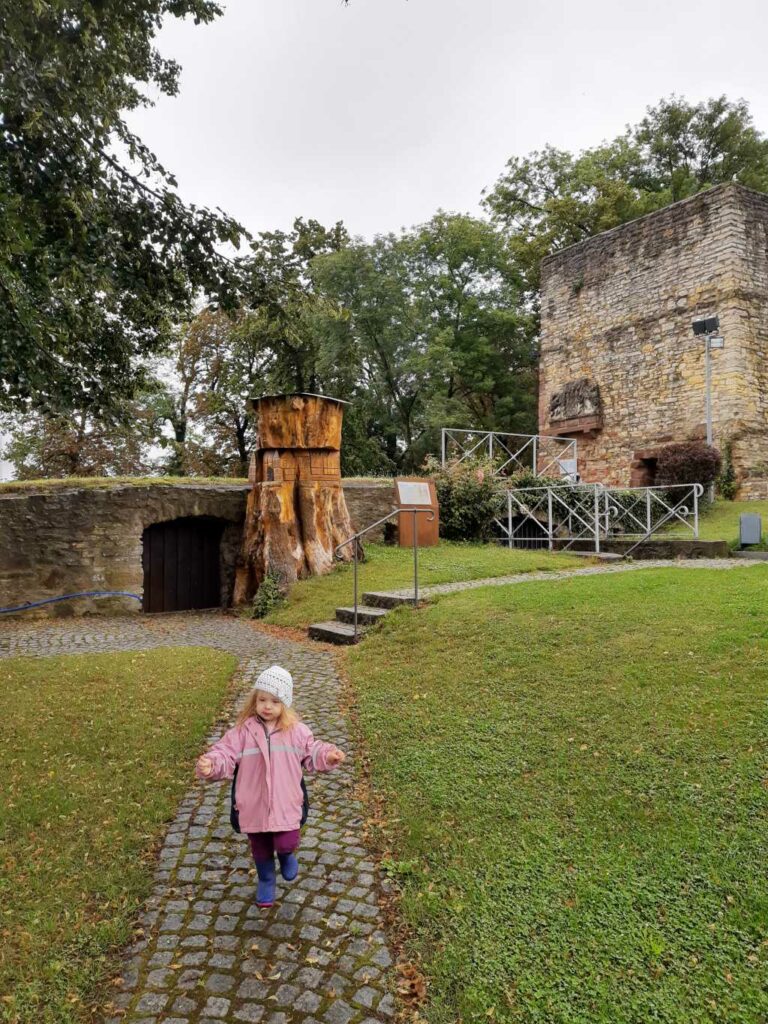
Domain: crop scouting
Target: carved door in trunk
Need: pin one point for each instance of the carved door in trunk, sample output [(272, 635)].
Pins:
[(181, 565)]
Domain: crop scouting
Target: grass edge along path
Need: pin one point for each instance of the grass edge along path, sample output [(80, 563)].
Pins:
[(97, 751), (389, 568), (577, 781)]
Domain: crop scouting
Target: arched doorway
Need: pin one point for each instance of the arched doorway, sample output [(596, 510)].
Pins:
[(181, 559)]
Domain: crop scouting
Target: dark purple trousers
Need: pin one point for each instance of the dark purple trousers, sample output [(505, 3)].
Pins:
[(264, 845)]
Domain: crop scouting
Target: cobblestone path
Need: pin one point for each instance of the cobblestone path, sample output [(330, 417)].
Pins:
[(591, 570), (209, 955)]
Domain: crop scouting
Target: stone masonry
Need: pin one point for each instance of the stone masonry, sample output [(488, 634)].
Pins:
[(62, 540), (616, 338), (208, 954)]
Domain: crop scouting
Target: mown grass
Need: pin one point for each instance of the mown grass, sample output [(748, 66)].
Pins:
[(61, 483), (97, 752), (721, 521), (577, 773), (64, 483), (386, 567)]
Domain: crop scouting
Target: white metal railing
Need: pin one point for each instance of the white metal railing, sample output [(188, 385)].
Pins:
[(541, 454), (566, 513), (356, 552)]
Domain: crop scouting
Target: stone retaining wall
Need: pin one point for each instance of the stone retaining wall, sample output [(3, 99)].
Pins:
[(57, 541)]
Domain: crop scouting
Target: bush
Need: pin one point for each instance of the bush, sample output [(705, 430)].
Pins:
[(470, 498), (269, 595), (688, 462), (726, 482)]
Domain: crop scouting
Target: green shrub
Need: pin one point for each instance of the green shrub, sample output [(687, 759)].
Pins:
[(269, 595), (726, 482), (688, 462), (470, 498)]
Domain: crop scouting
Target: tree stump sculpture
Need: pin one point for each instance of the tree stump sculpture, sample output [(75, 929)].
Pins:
[(296, 513)]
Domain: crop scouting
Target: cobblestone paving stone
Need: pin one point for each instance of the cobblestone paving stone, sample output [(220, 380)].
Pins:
[(209, 955), (592, 570)]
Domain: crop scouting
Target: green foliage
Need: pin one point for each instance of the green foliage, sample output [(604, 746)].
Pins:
[(97, 251), (726, 482), (577, 769), (284, 306), (687, 462), (97, 753), (78, 444), (424, 329), (552, 199), (470, 498), (269, 596)]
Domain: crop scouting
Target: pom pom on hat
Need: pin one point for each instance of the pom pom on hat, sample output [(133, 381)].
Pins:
[(277, 681)]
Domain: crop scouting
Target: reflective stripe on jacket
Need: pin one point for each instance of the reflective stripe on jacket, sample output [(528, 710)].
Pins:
[(268, 789)]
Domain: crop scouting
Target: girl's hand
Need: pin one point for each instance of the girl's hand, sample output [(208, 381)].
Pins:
[(205, 765), (335, 757)]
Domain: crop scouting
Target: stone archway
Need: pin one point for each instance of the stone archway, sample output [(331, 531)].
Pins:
[(181, 559)]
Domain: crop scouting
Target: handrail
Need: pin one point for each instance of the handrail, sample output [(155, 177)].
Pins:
[(361, 533), (698, 490)]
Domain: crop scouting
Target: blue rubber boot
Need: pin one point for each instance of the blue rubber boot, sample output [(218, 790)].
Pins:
[(265, 891), (289, 866)]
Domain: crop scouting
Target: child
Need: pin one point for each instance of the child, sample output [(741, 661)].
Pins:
[(271, 746)]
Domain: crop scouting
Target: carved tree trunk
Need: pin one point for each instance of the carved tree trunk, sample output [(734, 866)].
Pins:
[(296, 514)]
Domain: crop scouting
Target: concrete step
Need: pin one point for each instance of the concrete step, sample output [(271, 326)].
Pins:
[(366, 615), (603, 556), (382, 599), (335, 632)]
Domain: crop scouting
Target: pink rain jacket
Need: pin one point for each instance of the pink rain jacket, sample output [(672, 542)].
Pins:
[(268, 788)]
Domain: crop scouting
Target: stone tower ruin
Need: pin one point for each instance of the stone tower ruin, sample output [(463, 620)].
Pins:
[(621, 370)]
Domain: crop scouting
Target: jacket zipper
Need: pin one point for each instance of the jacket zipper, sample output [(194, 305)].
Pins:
[(269, 764)]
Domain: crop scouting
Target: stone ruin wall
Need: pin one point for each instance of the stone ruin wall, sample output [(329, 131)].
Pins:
[(617, 312), (63, 540)]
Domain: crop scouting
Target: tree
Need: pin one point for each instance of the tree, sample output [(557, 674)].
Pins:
[(79, 444), (553, 198), (98, 254), (238, 364), (427, 330), (280, 286)]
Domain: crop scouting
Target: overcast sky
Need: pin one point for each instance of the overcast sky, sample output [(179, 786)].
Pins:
[(383, 111)]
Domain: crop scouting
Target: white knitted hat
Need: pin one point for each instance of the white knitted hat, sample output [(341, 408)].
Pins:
[(277, 681)]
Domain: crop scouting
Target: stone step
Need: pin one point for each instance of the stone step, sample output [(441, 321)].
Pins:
[(383, 599), (366, 615), (603, 556), (335, 632)]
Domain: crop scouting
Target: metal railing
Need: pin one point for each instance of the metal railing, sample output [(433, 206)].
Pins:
[(355, 539), (540, 516), (541, 454)]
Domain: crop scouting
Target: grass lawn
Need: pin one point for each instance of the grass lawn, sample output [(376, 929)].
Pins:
[(576, 774), (387, 568), (721, 522), (97, 752)]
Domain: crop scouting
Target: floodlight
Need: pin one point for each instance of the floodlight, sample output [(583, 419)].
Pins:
[(707, 325)]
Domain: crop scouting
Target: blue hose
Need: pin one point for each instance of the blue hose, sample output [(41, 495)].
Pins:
[(67, 597)]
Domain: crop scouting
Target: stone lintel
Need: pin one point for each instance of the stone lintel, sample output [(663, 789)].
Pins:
[(575, 425)]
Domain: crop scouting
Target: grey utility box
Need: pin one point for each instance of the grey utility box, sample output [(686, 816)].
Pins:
[(750, 528)]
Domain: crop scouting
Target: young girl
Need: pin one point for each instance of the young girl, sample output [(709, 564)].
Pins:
[(271, 746)]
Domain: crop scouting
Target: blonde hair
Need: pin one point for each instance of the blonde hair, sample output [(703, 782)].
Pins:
[(286, 719)]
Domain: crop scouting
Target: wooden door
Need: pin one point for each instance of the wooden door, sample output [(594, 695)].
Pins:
[(181, 565)]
